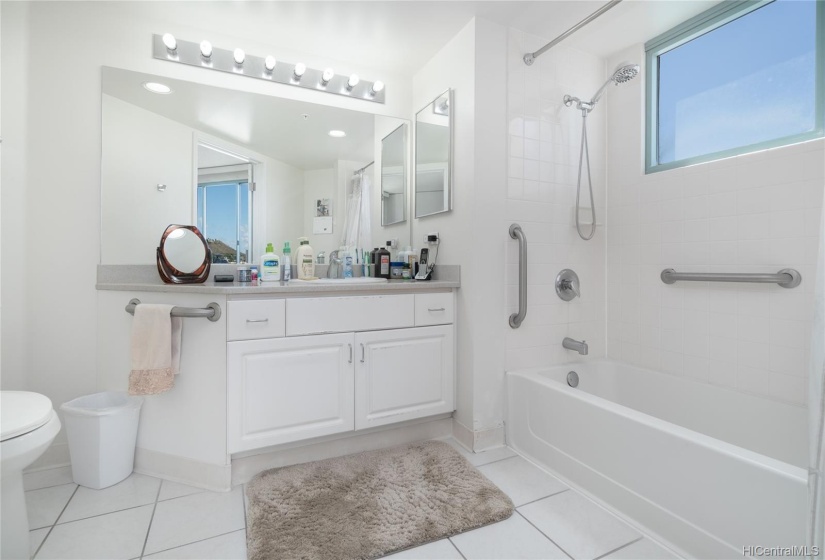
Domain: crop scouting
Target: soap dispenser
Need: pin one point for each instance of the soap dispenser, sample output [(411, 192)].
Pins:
[(305, 259)]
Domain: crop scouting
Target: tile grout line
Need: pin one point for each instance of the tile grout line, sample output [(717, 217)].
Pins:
[(197, 541), (543, 498), (36, 552), (544, 534), (496, 461), (456, 548), (619, 548), (148, 529)]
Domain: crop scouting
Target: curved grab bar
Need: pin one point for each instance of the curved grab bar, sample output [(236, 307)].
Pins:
[(516, 318)]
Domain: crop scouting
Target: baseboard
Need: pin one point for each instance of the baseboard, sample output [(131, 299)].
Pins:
[(181, 469), (57, 455), (479, 441), (463, 435), (245, 467)]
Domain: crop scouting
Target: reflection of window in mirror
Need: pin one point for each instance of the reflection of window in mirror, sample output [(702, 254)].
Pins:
[(224, 204)]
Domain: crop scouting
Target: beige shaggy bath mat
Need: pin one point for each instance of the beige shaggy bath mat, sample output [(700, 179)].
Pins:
[(368, 504)]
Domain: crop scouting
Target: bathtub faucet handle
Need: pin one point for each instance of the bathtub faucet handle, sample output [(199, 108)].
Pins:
[(567, 285)]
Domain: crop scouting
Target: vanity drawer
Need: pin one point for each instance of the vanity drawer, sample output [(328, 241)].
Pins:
[(348, 314), (434, 309), (258, 318)]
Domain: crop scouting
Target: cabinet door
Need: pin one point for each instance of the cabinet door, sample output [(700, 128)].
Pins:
[(288, 389), (403, 374)]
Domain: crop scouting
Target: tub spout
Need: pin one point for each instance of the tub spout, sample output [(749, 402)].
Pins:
[(570, 344)]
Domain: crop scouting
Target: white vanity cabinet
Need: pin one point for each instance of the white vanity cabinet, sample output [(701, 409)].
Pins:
[(373, 365), (287, 389), (403, 374)]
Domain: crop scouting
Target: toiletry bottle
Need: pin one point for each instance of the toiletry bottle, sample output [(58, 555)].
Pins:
[(286, 262), (305, 259), (374, 262), (270, 265), (254, 268), (348, 260), (383, 264), (391, 251)]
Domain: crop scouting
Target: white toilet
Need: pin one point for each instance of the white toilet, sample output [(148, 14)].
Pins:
[(28, 424)]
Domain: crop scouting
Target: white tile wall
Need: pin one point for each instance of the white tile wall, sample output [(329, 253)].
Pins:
[(544, 143), (754, 213)]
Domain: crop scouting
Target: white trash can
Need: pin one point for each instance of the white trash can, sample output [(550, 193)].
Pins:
[(102, 430)]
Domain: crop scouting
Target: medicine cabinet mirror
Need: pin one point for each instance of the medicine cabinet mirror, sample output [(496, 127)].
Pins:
[(394, 176), (247, 168), (433, 156)]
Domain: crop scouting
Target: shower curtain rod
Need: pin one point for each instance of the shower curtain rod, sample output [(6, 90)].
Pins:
[(357, 171), (530, 57)]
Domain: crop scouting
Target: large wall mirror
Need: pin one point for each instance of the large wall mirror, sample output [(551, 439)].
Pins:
[(433, 156), (246, 169)]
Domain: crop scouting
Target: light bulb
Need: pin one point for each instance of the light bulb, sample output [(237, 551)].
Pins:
[(337, 133), (377, 86), (170, 42), (300, 68), (353, 81), (206, 49), (239, 56), (269, 63), (156, 87), (327, 76)]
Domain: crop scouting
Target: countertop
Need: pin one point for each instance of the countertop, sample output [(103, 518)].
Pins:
[(281, 288)]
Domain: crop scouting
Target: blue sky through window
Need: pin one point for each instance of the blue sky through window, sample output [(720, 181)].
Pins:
[(746, 82), (222, 214)]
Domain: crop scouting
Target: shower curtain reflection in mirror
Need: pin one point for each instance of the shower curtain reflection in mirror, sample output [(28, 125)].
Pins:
[(357, 225)]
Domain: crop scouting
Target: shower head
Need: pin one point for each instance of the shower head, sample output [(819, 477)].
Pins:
[(624, 73)]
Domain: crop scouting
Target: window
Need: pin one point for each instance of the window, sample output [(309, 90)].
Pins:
[(224, 217), (740, 77)]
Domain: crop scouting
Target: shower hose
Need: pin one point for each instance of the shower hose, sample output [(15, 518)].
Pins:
[(585, 153)]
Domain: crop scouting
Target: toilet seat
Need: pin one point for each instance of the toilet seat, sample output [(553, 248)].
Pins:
[(22, 412)]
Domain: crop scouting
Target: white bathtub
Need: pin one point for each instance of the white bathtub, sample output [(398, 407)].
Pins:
[(706, 469)]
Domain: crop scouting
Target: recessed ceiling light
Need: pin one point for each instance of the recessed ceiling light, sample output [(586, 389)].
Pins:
[(156, 87), (337, 133)]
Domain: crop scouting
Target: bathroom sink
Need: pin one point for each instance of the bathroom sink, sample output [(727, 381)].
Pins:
[(342, 281)]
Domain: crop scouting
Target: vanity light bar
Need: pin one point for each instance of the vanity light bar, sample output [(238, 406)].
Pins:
[(224, 60)]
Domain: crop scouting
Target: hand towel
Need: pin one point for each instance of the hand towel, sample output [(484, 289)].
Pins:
[(156, 338)]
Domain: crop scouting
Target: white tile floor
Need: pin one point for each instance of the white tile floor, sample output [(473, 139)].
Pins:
[(144, 517)]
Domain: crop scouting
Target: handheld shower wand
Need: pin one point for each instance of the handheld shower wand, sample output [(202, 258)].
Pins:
[(623, 73)]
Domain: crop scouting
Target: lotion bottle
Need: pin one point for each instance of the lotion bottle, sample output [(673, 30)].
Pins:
[(270, 265), (305, 259)]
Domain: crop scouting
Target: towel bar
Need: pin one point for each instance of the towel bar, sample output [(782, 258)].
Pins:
[(211, 311)]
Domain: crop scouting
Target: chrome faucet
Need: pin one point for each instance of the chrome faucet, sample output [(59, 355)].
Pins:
[(335, 265), (570, 344)]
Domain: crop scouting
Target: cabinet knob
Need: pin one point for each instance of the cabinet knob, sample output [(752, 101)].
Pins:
[(257, 320), (433, 310), (350, 353), (363, 353)]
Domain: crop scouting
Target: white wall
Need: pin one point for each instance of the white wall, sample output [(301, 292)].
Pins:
[(51, 147), (754, 213), (473, 64), (319, 183), (544, 144)]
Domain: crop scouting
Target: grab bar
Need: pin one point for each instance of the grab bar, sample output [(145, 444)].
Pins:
[(211, 311), (787, 277), (516, 318)]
